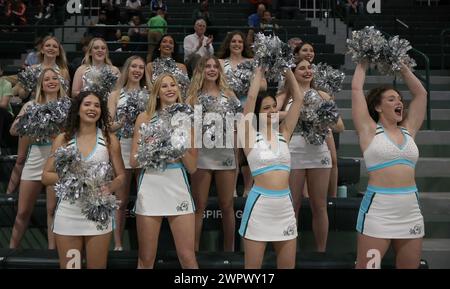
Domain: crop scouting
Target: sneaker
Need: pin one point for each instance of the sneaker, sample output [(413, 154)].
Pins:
[(39, 16)]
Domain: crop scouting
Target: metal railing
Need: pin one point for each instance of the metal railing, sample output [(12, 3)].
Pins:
[(443, 34)]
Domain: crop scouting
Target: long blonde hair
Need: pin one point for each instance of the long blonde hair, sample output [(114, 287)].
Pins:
[(198, 80), (88, 57), (61, 59), (154, 102), (40, 95), (123, 80)]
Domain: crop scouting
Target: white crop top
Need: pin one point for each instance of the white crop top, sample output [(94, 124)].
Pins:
[(263, 159), (382, 152)]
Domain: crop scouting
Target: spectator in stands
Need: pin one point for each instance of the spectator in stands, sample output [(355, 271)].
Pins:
[(197, 45), (166, 193), (137, 33), (112, 11), (157, 27), (6, 112), (33, 56), (220, 163), (124, 41), (49, 88), (354, 6), (97, 55), (15, 12), (134, 77), (168, 49), (87, 130), (233, 52), (203, 13), (268, 214), (294, 42), (309, 163), (254, 21), (45, 7), (158, 4), (267, 25), (103, 29), (253, 5), (389, 213), (133, 8)]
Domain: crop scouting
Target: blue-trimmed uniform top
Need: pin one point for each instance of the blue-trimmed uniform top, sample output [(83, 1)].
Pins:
[(263, 158), (383, 152)]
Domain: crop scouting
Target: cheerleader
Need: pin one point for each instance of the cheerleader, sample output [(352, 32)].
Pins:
[(389, 212), (134, 79), (87, 130), (96, 57), (209, 80), (49, 89), (269, 214), (165, 193)]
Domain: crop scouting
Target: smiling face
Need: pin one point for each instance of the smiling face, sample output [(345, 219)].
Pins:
[(303, 72), (391, 106), (50, 48), (50, 82), (269, 107), (166, 46), (236, 44), (200, 27), (307, 52), (136, 70), (98, 51), (90, 110), (168, 92), (211, 70)]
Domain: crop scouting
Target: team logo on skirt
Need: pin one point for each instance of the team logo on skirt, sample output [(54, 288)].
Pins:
[(290, 230), (227, 162), (325, 161), (416, 230), (183, 207)]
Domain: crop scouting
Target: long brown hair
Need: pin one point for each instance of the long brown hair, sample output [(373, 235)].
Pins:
[(374, 98), (224, 51)]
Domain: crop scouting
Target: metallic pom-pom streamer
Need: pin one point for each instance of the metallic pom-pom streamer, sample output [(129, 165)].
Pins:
[(69, 167), (316, 116), (41, 122), (129, 111), (100, 80), (168, 65), (273, 54), (394, 54), (366, 44), (166, 137), (327, 78), (29, 76), (96, 205), (239, 79)]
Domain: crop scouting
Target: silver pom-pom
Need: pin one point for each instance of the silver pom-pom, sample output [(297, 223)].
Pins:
[(29, 76), (366, 44), (129, 110), (394, 54), (166, 137), (69, 167), (239, 79), (168, 65), (273, 54), (327, 78), (100, 80), (316, 117), (42, 122)]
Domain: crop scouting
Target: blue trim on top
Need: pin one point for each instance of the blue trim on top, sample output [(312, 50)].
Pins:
[(45, 144), (400, 190), (175, 166), (405, 139), (271, 168), (391, 163)]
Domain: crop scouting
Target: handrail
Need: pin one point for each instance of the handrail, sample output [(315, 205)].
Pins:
[(443, 32)]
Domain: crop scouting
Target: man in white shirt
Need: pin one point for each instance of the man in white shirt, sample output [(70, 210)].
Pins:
[(197, 45)]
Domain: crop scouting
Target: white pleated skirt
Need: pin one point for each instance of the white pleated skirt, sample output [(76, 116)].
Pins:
[(165, 193)]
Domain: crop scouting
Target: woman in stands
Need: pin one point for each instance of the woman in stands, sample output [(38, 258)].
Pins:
[(134, 78), (390, 212), (269, 214), (209, 80), (87, 130), (49, 89), (234, 51), (311, 164), (165, 193), (167, 54), (97, 55)]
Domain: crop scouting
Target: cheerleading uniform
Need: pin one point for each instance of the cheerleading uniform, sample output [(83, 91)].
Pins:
[(217, 158), (168, 65), (125, 143), (69, 220), (35, 161), (268, 214), (229, 72), (305, 155), (390, 213)]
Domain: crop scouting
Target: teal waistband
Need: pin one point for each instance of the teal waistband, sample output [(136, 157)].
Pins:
[(175, 166), (267, 192), (400, 190)]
